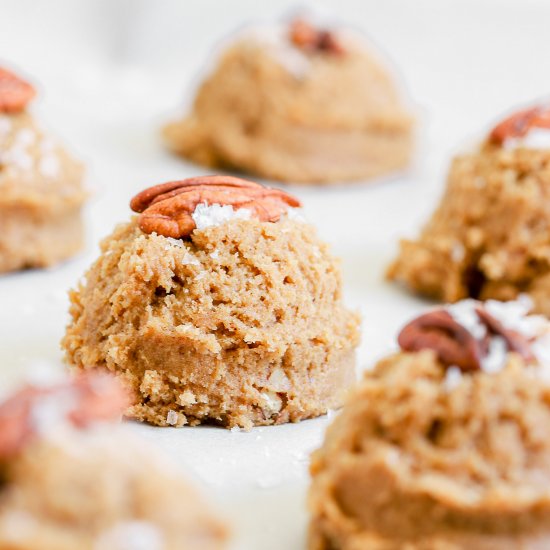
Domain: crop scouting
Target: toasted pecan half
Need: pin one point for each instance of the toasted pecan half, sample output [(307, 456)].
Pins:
[(167, 209)]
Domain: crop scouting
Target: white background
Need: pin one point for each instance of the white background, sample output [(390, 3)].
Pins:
[(111, 72)]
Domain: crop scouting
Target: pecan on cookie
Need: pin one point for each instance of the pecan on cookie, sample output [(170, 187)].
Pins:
[(167, 209)]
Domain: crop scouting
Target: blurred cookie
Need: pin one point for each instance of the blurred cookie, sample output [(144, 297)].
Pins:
[(297, 103), (445, 444), (490, 235), (70, 479), (41, 192)]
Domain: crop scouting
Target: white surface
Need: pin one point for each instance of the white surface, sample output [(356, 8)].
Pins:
[(111, 72)]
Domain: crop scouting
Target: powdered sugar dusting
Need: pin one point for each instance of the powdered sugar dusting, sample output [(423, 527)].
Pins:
[(49, 413), (18, 154), (464, 313), (172, 418), (295, 214), (174, 242), (25, 137), (188, 258), (49, 166), (5, 126), (453, 377), (275, 39), (131, 535), (206, 215), (495, 359), (536, 138), (514, 316)]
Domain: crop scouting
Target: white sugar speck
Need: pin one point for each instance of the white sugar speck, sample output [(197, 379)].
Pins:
[(536, 138), (189, 259), (25, 137), (457, 252), (453, 377), (5, 125), (496, 356), (464, 313), (174, 242), (49, 166), (216, 214), (295, 214), (172, 418), (215, 255)]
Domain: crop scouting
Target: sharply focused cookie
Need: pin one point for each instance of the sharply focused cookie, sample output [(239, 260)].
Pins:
[(446, 444), (216, 304), (297, 103), (490, 235), (70, 479), (41, 192)]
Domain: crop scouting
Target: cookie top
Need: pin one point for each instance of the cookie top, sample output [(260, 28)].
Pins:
[(527, 128), (76, 404), (322, 77), (450, 436)]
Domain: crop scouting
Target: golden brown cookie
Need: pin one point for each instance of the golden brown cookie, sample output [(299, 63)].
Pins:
[(297, 103), (489, 237), (427, 455), (76, 481), (41, 191), (227, 311)]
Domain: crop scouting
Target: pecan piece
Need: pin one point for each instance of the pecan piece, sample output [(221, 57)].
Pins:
[(520, 123), (309, 38), (514, 340), (15, 93), (87, 398), (438, 331), (167, 208)]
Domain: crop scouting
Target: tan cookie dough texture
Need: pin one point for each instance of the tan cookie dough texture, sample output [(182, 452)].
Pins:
[(271, 110), (99, 491), (490, 235), (411, 465), (41, 197), (242, 325)]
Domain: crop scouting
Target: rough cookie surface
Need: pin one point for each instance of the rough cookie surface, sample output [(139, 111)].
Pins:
[(270, 109), (489, 237), (422, 460), (100, 490), (241, 325), (41, 197)]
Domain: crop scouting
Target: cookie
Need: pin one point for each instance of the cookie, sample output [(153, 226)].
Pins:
[(216, 305), (41, 191), (443, 445), (297, 103), (70, 478), (489, 236)]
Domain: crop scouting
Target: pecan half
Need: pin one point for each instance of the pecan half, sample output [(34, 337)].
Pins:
[(519, 124), (87, 398), (15, 93), (514, 340), (438, 331), (311, 39), (167, 208)]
